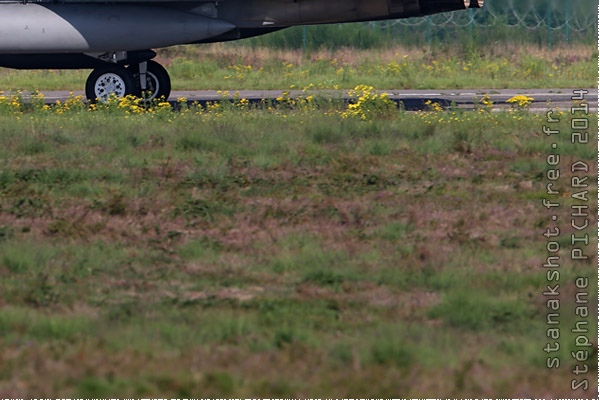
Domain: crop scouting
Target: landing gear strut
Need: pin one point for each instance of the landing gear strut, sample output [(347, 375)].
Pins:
[(148, 80), (156, 78)]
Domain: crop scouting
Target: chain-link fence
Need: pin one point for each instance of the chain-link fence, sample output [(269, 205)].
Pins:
[(549, 21), (541, 22)]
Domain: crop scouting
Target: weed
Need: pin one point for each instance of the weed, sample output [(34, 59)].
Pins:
[(43, 292), (23, 322), (94, 386), (520, 102), (326, 133), (201, 209), (396, 231), (6, 233), (478, 311), (220, 381), (368, 104), (390, 350), (324, 277)]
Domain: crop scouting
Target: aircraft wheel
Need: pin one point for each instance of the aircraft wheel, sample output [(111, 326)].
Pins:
[(158, 82), (108, 80)]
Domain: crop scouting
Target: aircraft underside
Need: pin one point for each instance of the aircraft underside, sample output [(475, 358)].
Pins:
[(115, 39)]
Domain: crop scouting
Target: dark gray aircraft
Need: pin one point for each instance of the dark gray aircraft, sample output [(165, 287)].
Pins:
[(115, 37)]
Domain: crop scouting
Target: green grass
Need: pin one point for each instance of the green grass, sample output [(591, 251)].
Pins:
[(279, 252), (237, 66)]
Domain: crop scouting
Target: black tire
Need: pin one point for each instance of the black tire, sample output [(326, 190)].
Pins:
[(108, 80), (158, 82)]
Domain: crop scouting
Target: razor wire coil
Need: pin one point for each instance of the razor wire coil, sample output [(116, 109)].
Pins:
[(575, 15)]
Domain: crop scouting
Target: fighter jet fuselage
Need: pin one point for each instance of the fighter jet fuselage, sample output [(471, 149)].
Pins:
[(109, 36)]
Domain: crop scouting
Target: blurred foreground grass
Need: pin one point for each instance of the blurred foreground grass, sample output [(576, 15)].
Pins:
[(294, 250)]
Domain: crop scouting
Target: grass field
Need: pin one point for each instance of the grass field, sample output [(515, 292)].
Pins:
[(292, 250), (237, 67)]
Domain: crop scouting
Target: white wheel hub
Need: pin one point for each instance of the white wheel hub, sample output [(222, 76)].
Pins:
[(108, 84)]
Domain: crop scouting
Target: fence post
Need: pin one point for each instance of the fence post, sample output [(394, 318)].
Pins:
[(471, 16), (548, 16), (567, 16), (303, 39), (428, 34)]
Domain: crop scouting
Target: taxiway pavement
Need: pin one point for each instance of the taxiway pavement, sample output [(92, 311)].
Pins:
[(543, 99)]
